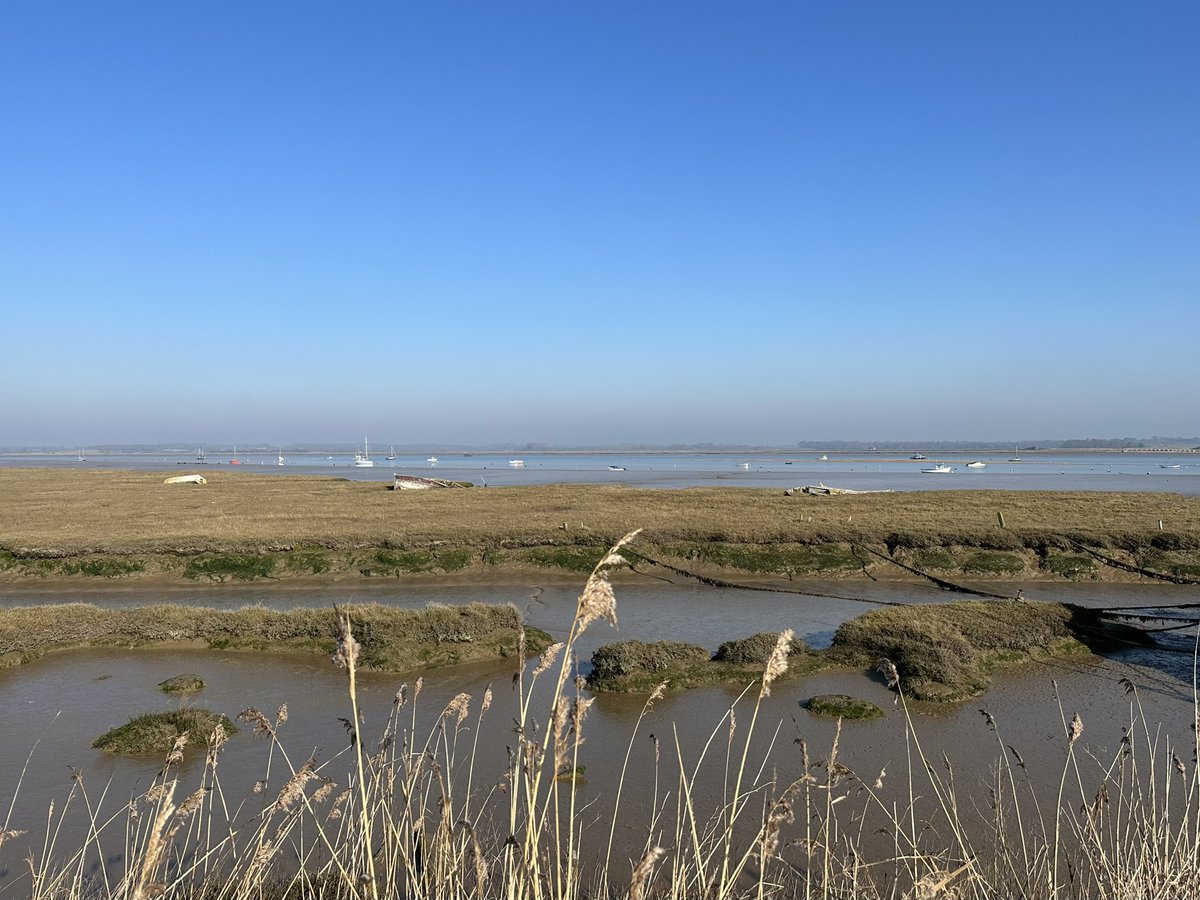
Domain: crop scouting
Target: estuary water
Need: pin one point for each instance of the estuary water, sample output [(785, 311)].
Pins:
[(54, 707), (1037, 470)]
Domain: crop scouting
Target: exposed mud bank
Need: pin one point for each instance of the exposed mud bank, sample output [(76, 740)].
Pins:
[(441, 561)]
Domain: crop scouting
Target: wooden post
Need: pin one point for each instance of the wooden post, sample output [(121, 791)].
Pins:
[(1000, 517)]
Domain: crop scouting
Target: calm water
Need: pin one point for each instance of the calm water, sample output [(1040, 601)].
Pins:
[(63, 701), (1036, 471)]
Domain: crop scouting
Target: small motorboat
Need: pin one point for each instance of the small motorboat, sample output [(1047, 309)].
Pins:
[(517, 463), (977, 465), (918, 456), (940, 469), (743, 465), (616, 468), (432, 460), (1169, 466), (822, 458)]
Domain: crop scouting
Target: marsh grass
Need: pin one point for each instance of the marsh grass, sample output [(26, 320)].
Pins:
[(56, 513), (394, 640), (409, 814)]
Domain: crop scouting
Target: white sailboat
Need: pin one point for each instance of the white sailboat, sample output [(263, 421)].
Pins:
[(279, 457), (363, 460), (1016, 457), (391, 453), (83, 455)]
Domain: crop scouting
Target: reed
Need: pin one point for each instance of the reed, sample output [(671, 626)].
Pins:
[(406, 814)]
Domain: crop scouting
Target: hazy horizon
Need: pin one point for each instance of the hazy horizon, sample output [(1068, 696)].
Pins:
[(628, 224)]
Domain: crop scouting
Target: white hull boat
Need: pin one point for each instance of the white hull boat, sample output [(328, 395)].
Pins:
[(363, 460), (938, 470), (977, 465)]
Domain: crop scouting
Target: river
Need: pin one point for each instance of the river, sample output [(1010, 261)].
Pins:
[(1036, 470)]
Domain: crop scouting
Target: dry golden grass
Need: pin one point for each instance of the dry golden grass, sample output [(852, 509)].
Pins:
[(63, 512)]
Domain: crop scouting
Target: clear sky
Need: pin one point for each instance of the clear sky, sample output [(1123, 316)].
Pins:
[(598, 222)]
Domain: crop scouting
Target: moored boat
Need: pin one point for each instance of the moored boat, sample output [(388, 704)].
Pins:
[(939, 469)]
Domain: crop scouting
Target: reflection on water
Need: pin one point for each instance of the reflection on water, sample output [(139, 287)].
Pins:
[(62, 702)]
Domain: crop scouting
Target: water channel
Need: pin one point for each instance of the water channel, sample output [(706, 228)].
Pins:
[(57, 705)]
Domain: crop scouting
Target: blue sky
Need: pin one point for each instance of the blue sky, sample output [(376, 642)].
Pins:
[(595, 223)]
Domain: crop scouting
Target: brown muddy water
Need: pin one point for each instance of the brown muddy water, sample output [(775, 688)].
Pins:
[(54, 707)]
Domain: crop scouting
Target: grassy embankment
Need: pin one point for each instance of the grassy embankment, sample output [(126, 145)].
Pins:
[(393, 640), (243, 526)]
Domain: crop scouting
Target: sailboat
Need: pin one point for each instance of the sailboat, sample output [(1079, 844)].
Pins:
[(279, 457), (233, 460), (363, 460), (200, 460), (1016, 457), (391, 453), (83, 455)]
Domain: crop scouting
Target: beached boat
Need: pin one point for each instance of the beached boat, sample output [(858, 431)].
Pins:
[(977, 465), (363, 460), (517, 463), (417, 483), (1169, 466), (939, 469), (824, 490)]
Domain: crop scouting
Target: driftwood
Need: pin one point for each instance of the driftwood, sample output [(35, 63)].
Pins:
[(186, 479)]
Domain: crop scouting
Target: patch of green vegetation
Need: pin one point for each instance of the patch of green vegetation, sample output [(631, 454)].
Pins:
[(454, 560), (947, 651), (638, 666), (157, 732), (310, 562), (993, 563), (933, 558), (224, 566), (494, 557), (571, 559), (1183, 564), (772, 559), (755, 650), (105, 567), (1071, 566), (841, 706), (182, 684), (7, 561)]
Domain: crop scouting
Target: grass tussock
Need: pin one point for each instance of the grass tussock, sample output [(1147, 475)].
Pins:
[(164, 732), (393, 640), (182, 684), (405, 813), (947, 651), (842, 706), (639, 667)]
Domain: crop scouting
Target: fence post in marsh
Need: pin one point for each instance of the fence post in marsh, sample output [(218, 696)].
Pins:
[(1000, 518), (1160, 524)]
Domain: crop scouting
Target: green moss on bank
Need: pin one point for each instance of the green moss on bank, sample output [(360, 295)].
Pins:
[(157, 732), (841, 706)]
